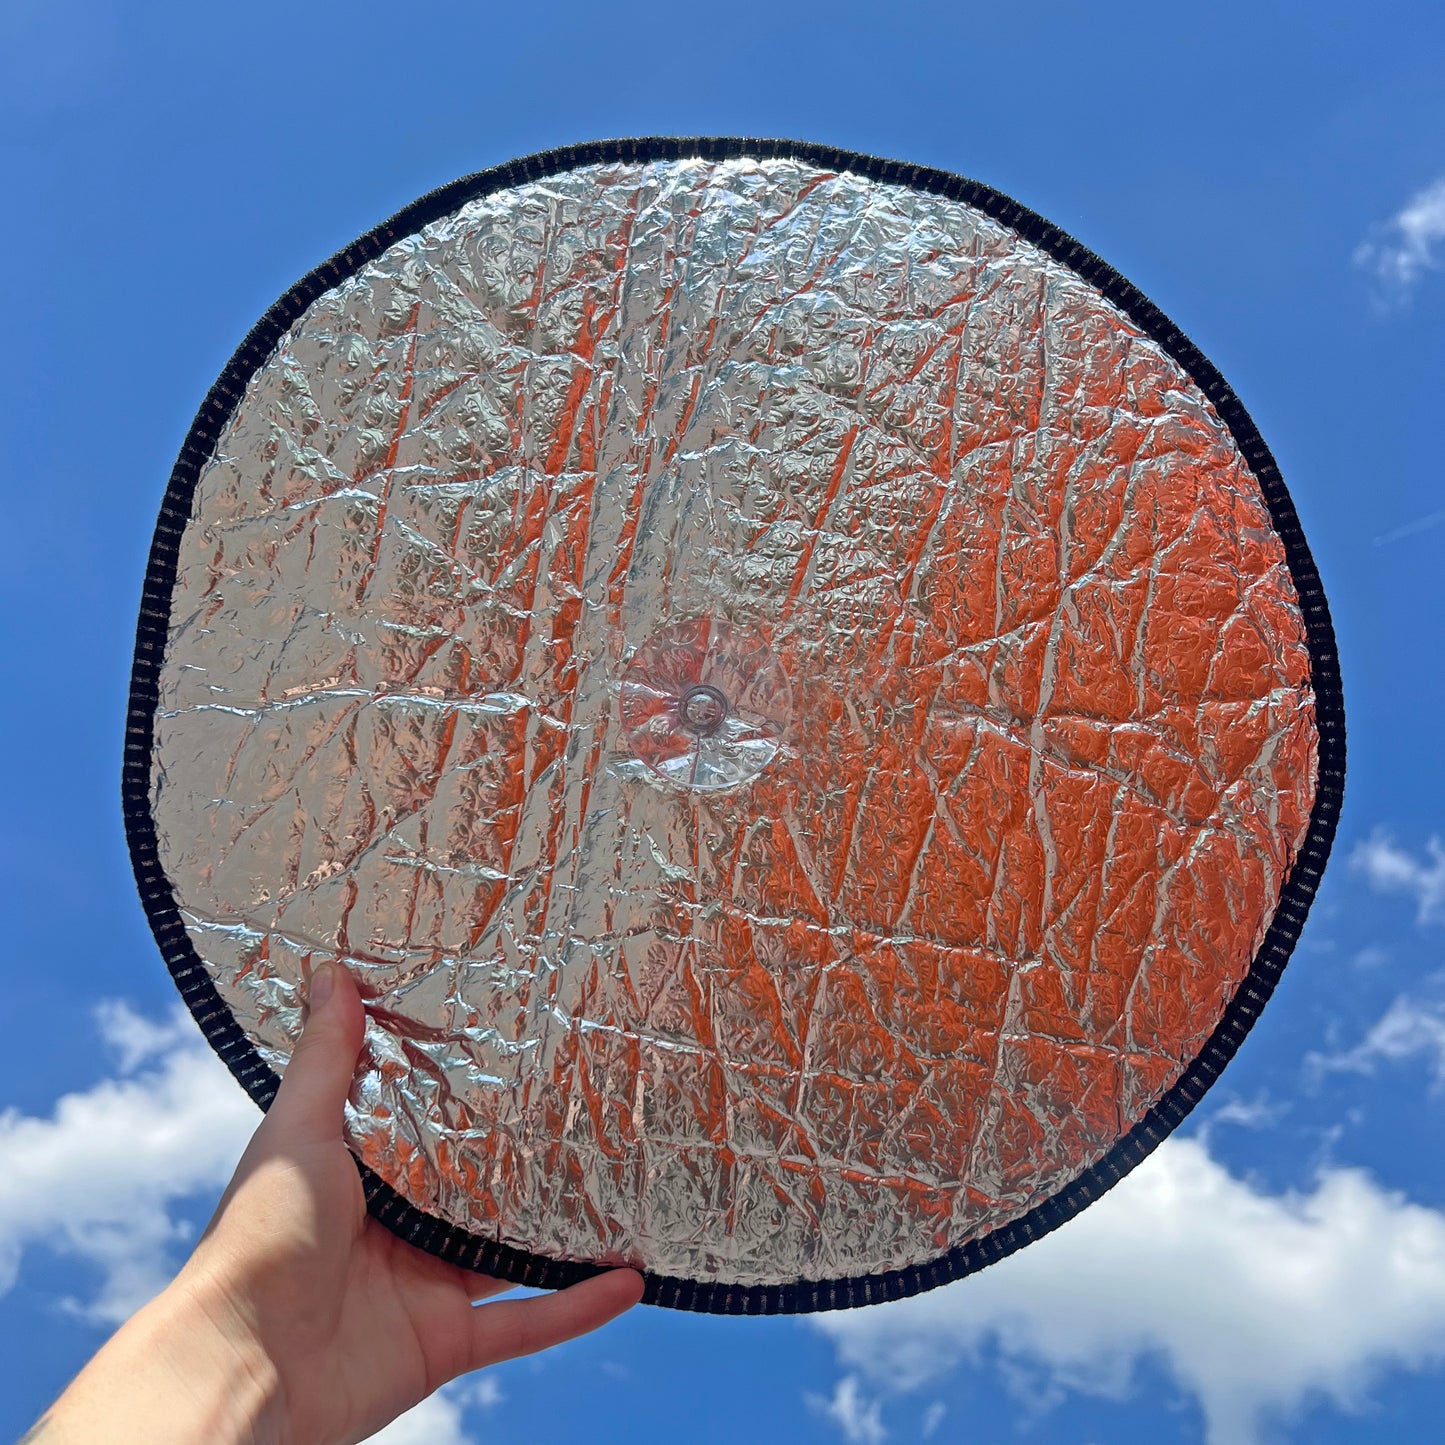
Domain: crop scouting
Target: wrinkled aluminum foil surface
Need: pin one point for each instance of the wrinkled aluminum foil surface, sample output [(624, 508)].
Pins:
[(792, 710)]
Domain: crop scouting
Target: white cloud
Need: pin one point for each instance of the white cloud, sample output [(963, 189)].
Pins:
[(932, 1419), (438, 1420), (1398, 253), (1390, 869), (1404, 1031), (860, 1419), (1257, 1304), (97, 1179)]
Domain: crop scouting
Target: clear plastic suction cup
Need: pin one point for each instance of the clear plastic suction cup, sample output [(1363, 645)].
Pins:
[(705, 704)]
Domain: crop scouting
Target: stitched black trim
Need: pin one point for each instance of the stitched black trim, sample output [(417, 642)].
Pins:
[(456, 1245)]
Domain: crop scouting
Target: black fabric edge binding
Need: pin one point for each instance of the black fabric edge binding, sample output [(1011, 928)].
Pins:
[(456, 1245)]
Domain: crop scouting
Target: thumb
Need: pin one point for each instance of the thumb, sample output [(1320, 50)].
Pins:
[(318, 1077)]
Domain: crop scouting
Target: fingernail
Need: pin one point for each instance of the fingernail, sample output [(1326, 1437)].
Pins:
[(323, 983)]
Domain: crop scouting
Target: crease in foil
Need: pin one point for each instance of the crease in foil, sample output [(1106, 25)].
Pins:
[(1011, 759)]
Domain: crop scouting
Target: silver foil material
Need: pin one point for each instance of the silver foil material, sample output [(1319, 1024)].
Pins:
[(889, 938)]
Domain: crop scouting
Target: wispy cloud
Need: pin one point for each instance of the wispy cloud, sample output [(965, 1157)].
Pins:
[(1259, 1112), (99, 1178), (860, 1419), (1257, 1303), (1371, 956), (136, 1040), (1408, 1029), (1411, 529), (1398, 252), (1390, 869)]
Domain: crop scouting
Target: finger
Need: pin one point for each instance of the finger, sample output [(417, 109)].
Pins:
[(318, 1076), (510, 1328)]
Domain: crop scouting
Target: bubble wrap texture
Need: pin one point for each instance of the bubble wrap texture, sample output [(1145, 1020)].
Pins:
[(1047, 762)]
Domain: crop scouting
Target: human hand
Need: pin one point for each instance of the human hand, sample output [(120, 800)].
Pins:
[(299, 1320)]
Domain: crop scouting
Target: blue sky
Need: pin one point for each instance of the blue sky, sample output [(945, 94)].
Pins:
[(1271, 174)]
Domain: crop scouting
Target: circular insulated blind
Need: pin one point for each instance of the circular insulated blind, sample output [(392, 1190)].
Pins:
[(799, 697)]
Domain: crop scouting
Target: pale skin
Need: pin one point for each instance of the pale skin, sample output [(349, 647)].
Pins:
[(299, 1320)]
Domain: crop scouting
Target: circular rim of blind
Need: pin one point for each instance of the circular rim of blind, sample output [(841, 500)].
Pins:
[(457, 1246)]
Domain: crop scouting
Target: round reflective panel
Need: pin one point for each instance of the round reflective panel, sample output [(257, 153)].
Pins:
[(786, 685)]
